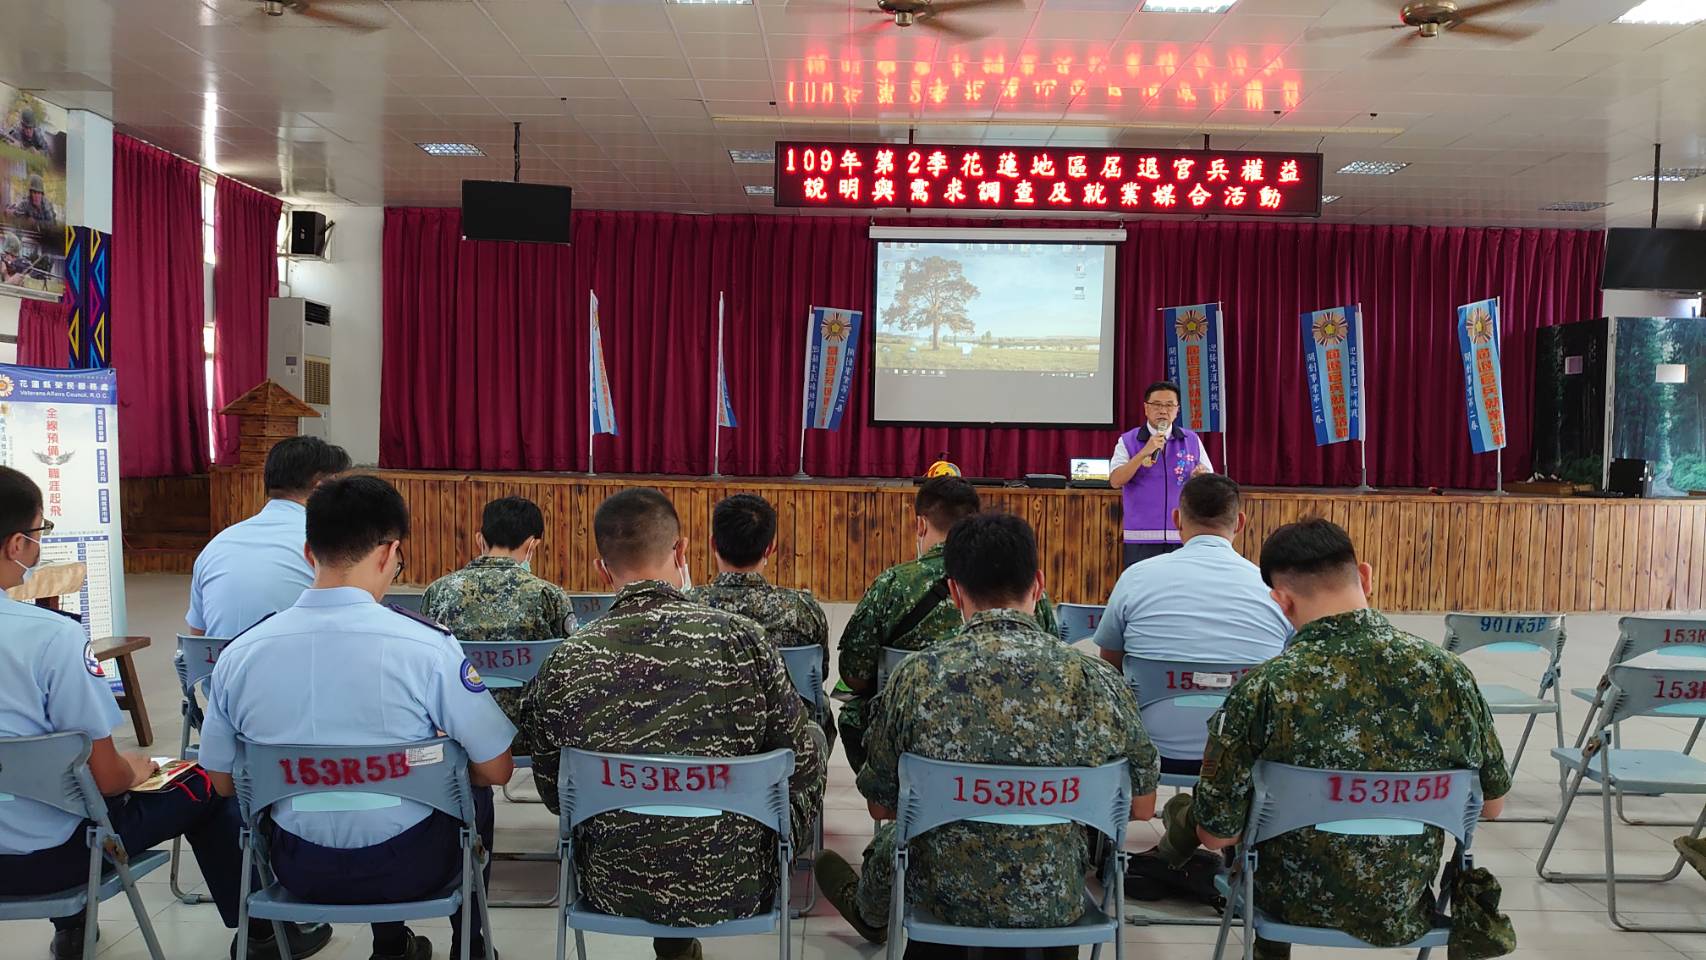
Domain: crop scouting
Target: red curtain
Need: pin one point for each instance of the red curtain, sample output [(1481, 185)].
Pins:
[(44, 338), (486, 350), (158, 311), (245, 275)]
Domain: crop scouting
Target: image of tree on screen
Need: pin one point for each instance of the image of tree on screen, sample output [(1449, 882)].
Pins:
[(986, 307)]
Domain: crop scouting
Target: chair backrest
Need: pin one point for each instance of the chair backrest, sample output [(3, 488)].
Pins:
[(1288, 798), (1077, 620), (887, 660), (1637, 636), (52, 770), (196, 657), (755, 787), (410, 601), (934, 793), (590, 606), (1501, 632), (1193, 683), (431, 772), (517, 661), (805, 669), (1658, 686)]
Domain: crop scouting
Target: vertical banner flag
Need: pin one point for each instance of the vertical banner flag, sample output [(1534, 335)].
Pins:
[(603, 412), (725, 409), (829, 365), (1483, 379), (60, 428), (1332, 353), (1193, 337)]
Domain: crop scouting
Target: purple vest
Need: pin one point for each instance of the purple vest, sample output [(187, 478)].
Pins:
[(1152, 493)]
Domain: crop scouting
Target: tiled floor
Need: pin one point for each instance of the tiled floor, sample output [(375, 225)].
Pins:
[(1552, 921)]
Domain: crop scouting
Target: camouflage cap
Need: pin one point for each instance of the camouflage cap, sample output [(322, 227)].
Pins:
[(37, 185), (12, 245), (27, 116)]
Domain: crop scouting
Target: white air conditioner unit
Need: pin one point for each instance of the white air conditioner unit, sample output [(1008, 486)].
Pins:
[(299, 356)]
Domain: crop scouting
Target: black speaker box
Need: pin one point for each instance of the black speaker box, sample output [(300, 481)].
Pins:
[(308, 233), (1631, 478)]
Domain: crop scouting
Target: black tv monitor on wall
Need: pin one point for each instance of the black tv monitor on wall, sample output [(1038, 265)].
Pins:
[(524, 212), (1655, 260)]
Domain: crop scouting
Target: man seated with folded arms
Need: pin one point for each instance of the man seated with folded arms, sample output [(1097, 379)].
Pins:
[(1002, 690), (52, 684), (339, 669), (1351, 692), (660, 674), (743, 534), (1201, 603), (907, 605)]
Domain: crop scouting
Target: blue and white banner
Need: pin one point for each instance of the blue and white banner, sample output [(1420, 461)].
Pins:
[(1332, 355), (1483, 377), (725, 409), (603, 410), (833, 337), (59, 427), (1193, 336)]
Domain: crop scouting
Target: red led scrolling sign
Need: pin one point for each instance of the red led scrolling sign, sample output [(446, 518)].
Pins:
[(1059, 179)]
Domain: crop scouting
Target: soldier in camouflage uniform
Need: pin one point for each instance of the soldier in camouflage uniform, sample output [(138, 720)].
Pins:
[(1001, 691), (743, 533), (1351, 692), (906, 606), (496, 597), (660, 674)]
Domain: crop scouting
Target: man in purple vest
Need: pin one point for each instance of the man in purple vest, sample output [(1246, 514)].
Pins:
[(1149, 466)]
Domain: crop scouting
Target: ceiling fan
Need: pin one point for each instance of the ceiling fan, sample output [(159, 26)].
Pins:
[(928, 14), (317, 13), (1426, 19)]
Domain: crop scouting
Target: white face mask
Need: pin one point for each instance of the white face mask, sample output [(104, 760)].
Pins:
[(686, 577), (30, 570)]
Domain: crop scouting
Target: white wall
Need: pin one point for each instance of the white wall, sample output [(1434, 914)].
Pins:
[(1648, 303), (9, 327), (348, 282)]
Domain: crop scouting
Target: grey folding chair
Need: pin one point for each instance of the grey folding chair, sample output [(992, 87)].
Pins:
[(935, 793), (1190, 692), (1638, 636), (805, 669), (509, 665), (593, 783), (590, 606), (1658, 686), (409, 600), (54, 770), (1286, 798), (887, 660), (1521, 634), (349, 778), (1078, 621), (194, 663)]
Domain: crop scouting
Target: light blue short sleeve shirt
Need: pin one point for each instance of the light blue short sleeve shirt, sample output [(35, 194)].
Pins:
[(249, 570), (1203, 602), (50, 682), (339, 669)]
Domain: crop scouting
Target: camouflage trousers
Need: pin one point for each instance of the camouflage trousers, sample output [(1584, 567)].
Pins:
[(876, 875), (852, 724), (1179, 841)]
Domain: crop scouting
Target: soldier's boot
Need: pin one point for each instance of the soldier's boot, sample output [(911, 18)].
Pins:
[(1693, 851), (677, 949), (840, 885)]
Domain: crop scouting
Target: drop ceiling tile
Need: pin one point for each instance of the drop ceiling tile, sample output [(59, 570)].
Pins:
[(528, 86), (569, 66), (715, 69), (663, 89), (586, 89)]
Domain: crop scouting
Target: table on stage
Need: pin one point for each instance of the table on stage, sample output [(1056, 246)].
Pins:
[(1430, 552)]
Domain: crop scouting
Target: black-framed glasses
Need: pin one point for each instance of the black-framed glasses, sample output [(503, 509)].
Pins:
[(402, 561), (45, 529), (1161, 406)]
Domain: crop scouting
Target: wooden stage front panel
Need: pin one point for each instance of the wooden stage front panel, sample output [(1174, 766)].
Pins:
[(1430, 553)]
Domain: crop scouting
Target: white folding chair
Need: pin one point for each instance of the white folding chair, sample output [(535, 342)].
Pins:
[(1078, 621), (54, 770), (935, 793), (430, 772), (509, 665), (805, 670), (1520, 634), (1286, 798), (593, 783), (590, 606), (1176, 699), (1655, 686), (194, 664), (1636, 637)]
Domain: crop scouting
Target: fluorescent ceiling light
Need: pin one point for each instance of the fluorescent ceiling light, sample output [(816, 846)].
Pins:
[(1373, 168), (1673, 174), (1575, 206), (760, 190), (1187, 6), (1673, 12), (753, 156), (1329, 197), (452, 149)]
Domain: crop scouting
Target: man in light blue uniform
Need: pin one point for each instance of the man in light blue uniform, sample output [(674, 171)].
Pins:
[(1202, 603), (256, 567), (50, 682), (339, 669)]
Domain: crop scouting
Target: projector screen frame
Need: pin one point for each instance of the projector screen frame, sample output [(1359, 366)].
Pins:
[(1042, 235)]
